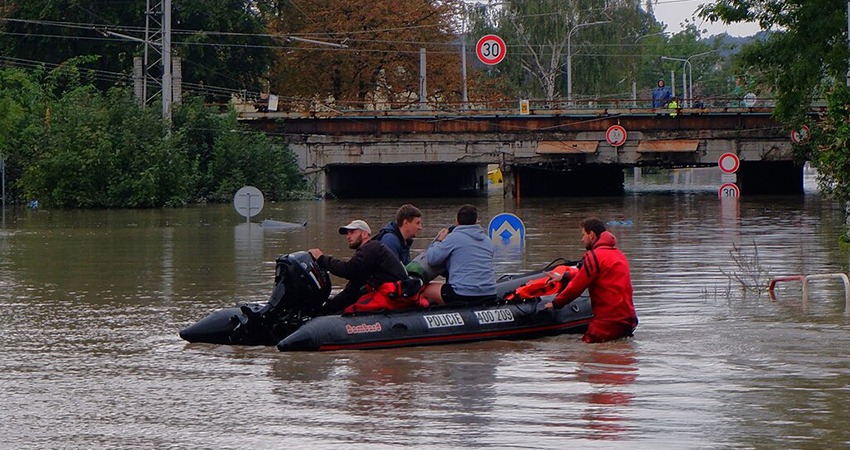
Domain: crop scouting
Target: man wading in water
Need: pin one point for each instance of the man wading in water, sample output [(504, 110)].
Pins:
[(604, 271)]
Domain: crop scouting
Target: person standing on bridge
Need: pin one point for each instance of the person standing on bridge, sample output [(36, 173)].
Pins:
[(398, 235), (674, 107), (661, 95), (604, 271)]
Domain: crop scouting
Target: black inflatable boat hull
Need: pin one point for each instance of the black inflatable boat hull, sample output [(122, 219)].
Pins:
[(441, 325)]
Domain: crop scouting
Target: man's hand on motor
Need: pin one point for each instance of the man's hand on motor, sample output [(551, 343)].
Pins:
[(316, 253)]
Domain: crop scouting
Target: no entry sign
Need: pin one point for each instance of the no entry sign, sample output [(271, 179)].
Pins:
[(616, 135), (491, 49), (729, 163)]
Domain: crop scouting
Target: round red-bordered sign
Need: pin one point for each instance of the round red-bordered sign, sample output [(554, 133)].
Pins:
[(800, 136), (729, 190), (491, 49), (729, 163), (616, 135)]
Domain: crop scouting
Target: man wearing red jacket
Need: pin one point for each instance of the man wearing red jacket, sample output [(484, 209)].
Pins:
[(604, 271)]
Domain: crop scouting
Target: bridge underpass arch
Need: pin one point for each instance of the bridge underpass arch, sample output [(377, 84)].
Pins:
[(406, 180)]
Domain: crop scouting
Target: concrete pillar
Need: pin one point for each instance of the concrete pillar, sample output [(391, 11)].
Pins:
[(508, 181)]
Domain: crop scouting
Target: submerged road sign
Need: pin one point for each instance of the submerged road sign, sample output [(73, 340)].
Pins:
[(507, 229), (248, 202)]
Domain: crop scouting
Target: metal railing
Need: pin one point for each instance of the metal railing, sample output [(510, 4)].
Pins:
[(804, 279), (536, 106)]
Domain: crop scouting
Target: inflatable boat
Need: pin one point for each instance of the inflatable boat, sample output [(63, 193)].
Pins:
[(290, 319)]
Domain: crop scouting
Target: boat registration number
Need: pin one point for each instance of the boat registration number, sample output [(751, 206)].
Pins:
[(444, 320), (494, 316)]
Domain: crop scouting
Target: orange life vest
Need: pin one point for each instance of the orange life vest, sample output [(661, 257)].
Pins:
[(543, 285), (386, 296)]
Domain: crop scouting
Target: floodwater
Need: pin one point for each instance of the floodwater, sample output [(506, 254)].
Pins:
[(92, 302)]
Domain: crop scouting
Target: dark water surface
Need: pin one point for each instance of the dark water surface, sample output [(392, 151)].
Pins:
[(92, 302)]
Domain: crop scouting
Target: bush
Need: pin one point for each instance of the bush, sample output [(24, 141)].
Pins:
[(85, 148)]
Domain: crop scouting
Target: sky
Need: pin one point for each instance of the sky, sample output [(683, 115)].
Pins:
[(674, 12)]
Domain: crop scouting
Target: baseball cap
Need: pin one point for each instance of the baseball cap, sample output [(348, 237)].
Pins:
[(356, 225)]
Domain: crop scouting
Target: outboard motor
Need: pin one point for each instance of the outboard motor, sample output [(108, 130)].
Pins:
[(300, 289)]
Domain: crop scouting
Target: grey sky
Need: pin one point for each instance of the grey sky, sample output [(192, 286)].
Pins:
[(675, 12)]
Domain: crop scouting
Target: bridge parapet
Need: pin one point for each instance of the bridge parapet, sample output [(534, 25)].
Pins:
[(557, 141)]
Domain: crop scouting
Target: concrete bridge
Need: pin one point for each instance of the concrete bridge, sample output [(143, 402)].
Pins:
[(410, 153)]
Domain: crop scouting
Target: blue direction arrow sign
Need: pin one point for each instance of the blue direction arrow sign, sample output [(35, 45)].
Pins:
[(507, 229)]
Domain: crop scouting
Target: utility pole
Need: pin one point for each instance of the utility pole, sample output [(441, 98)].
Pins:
[(423, 81), (167, 94)]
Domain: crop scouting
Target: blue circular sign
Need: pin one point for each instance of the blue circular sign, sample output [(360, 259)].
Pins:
[(507, 229)]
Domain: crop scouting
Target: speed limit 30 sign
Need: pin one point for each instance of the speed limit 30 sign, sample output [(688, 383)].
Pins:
[(491, 49)]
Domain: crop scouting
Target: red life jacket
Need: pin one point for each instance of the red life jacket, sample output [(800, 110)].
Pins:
[(543, 285), (386, 296)]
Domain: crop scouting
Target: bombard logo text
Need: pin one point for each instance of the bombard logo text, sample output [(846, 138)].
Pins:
[(363, 328)]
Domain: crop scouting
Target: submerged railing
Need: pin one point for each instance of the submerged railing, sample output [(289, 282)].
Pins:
[(804, 279)]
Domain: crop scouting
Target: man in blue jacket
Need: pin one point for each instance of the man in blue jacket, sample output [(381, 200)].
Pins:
[(398, 235), (661, 95), (468, 254)]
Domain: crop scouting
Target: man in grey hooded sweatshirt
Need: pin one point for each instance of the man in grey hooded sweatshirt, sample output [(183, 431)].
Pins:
[(468, 254)]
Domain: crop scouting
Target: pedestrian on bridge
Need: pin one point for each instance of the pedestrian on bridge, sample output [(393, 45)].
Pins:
[(661, 95), (674, 107)]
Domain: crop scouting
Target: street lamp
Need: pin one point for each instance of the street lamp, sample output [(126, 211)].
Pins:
[(634, 67), (570, 56), (689, 95)]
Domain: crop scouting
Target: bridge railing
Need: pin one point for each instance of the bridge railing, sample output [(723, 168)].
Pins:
[(477, 107)]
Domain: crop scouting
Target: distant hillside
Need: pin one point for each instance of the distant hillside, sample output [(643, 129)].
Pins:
[(731, 45)]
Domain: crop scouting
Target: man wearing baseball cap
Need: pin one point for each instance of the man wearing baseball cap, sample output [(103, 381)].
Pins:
[(372, 264)]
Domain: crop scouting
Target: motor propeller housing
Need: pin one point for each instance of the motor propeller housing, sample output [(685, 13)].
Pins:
[(301, 288)]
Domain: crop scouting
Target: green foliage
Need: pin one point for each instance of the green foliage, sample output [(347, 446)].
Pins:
[(607, 58), (235, 61), (802, 58), (85, 148), (830, 145)]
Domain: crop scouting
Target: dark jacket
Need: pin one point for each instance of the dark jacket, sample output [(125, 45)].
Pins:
[(391, 236), (373, 264), (604, 272), (661, 95)]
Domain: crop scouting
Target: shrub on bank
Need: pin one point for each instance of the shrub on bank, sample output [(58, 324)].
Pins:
[(86, 148)]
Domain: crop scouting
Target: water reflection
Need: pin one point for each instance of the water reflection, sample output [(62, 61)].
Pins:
[(94, 299)]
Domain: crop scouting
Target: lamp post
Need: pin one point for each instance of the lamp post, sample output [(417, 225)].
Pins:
[(570, 56), (689, 95), (634, 67)]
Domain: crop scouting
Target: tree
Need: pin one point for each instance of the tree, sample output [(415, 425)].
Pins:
[(538, 33), (805, 54), (53, 31), (381, 59), (805, 57)]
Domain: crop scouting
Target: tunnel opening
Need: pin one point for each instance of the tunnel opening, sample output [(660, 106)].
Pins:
[(584, 181), (403, 180)]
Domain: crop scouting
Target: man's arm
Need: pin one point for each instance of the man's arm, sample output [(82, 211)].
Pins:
[(586, 275), (439, 250), (358, 267)]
